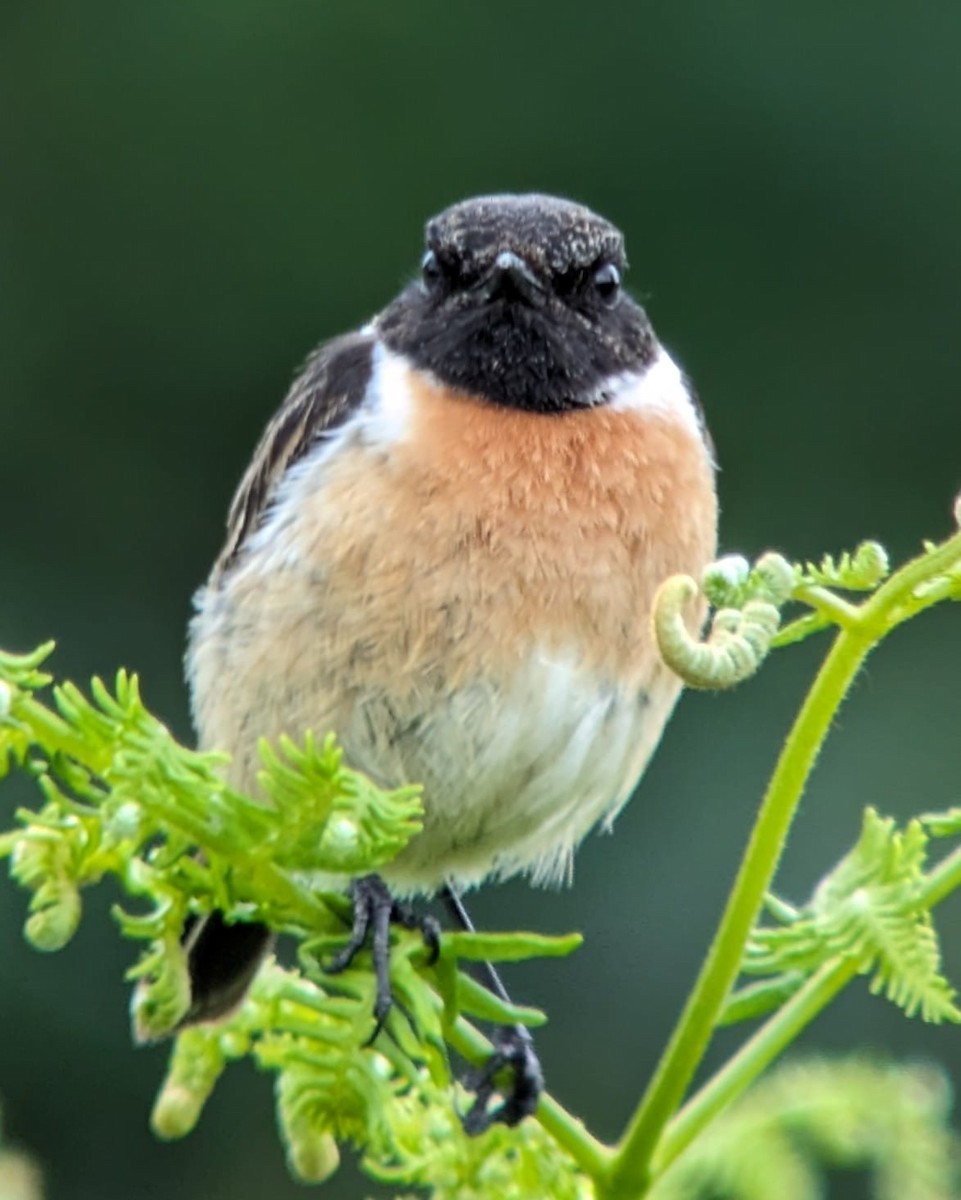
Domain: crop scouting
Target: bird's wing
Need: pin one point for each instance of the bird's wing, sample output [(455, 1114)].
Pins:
[(324, 395)]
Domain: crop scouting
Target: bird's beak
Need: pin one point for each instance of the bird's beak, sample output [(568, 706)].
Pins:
[(511, 275)]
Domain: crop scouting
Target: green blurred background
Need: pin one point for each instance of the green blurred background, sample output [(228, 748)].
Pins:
[(192, 195)]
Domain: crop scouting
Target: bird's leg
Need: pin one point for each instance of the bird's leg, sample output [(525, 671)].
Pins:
[(513, 1050), (374, 911)]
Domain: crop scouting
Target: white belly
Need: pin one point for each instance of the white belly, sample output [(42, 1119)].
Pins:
[(514, 775), (517, 765)]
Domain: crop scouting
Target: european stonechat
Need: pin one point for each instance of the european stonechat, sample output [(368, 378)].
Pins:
[(446, 549)]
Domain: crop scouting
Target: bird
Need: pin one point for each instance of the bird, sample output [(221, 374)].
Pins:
[(446, 549)]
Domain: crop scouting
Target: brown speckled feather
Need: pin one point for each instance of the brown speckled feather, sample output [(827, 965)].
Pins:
[(323, 396)]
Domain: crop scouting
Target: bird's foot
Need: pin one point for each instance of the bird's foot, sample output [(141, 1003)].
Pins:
[(375, 910), (513, 1051)]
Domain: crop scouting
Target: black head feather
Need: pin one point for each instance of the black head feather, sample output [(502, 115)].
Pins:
[(520, 303)]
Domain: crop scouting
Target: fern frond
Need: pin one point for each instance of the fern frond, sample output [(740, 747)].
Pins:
[(943, 824), (119, 797), (731, 581), (867, 909), (399, 1113), (847, 1114), (344, 824), (737, 643), (861, 571)]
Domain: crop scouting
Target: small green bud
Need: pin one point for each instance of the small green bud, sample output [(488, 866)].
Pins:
[(341, 837), (235, 1043), (313, 1157), (176, 1111), (722, 580), (125, 822), (778, 575), (56, 917), (41, 863), (162, 997), (381, 1066), (871, 563), (195, 1066)]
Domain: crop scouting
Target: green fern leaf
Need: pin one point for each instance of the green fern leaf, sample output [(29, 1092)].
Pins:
[(867, 909), (810, 1116), (858, 572)]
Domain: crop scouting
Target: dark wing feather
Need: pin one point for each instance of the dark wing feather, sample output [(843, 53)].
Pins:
[(328, 390)]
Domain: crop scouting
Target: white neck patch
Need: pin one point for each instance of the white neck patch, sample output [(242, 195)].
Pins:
[(385, 416), (659, 388)]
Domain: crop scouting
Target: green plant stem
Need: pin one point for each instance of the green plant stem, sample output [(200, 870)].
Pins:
[(780, 1030), (863, 627), (628, 1174), (897, 599), (53, 731), (758, 999), (797, 631), (757, 1053), (833, 608), (942, 881)]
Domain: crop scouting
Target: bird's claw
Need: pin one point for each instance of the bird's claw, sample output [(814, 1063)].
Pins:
[(375, 910), (513, 1051)]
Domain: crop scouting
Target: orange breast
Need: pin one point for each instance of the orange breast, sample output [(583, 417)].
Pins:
[(486, 531)]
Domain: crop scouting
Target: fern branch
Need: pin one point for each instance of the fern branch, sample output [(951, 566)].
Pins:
[(894, 601)]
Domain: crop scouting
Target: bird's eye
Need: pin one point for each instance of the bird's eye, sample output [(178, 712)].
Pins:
[(430, 269), (607, 282)]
